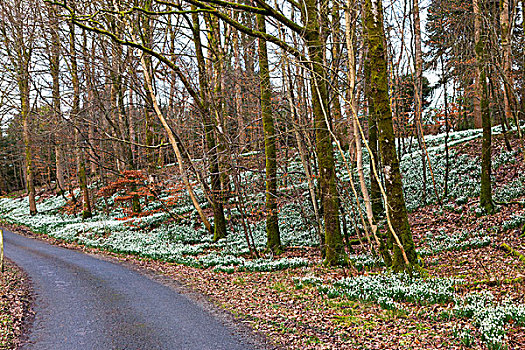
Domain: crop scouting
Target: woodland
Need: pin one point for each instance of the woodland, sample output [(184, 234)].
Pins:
[(337, 174)]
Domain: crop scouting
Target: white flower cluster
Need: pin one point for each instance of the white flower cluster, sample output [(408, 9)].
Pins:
[(455, 241), (230, 263), (463, 178), (515, 221), (464, 171), (301, 282), (505, 157), (489, 317), (510, 190), (438, 140), (179, 243), (465, 335), (388, 288), (360, 261)]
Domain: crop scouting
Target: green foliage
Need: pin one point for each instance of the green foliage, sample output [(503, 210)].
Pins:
[(465, 336)]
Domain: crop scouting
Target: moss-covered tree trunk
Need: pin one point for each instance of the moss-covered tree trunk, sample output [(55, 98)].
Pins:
[(147, 40), (91, 157), (334, 249), (217, 57), (485, 197), (75, 110), (272, 219), (54, 68), (23, 85), (20, 58), (146, 37), (476, 101), (376, 56)]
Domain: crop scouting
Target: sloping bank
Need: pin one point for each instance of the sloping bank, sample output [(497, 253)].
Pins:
[(177, 243)]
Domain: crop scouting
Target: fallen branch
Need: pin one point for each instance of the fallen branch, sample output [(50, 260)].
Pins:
[(513, 251), (520, 203), (494, 282)]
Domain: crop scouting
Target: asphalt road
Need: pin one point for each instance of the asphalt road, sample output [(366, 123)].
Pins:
[(82, 302)]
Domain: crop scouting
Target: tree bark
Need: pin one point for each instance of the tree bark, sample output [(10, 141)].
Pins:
[(340, 126), (334, 249), (272, 218), (507, 58), (476, 102), (75, 114), (418, 92), (54, 64), (375, 194), (219, 220), (350, 18), (23, 84), (485, 196), (396, 212)]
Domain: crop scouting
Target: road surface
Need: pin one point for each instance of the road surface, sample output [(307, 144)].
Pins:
[(82, 302)]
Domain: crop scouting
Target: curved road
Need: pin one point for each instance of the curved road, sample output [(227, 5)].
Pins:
[(82, 302)]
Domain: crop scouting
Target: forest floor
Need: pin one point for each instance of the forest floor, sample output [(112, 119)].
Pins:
[(15, 306), (295, 315)]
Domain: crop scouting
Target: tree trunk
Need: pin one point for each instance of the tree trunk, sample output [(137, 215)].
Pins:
[(522, 109), (396, 211), (173, 142), (219, 220), (90, 87), (334, 248), (272, 219), (54, 64), (418, 93), (485, 196), (23, 85), (82, 179), (375, 193), (303, 153), (75, 111), (340, 126), (507, 58), (476, 102), (350, 18), (444, 80)]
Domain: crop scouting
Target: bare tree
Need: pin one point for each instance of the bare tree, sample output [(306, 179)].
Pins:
[(19, 32)]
